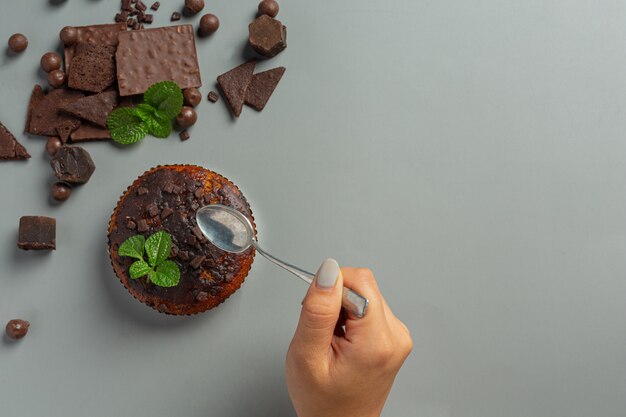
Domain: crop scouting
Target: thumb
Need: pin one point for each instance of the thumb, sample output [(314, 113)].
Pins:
[(320, 310)]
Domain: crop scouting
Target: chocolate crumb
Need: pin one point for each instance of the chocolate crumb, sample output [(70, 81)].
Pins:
[(213, 97), (142, 226), (142, 191), (175, 16), (197, 261), (184, 135)]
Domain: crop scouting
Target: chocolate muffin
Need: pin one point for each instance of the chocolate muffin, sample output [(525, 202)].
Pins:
[(166, 198)]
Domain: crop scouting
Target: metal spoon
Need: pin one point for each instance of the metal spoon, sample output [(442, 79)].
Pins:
[(232, 232)]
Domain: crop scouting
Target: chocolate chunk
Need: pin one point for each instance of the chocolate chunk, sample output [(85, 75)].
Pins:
[(197, 261), (18, 43), (126, 5), (142, 191), (152, 209), (130, 22), (199, 193), (89, 133), (73, 164), (17, 329), (202, 296), (175, 16), (183, 255), (267, 36), (177, 189), (234, 84), (148, 18), (10, 148), (191, 240), (102, 35), (262, 87), (120, 17), (95, 109), (155, 6), (37, 233), (213, 97), (184, 135), (141, 6), (142, 226), (198, 233), (130, 224), (45, 117), (168, 187), (93, 68), (167, 212), (148, 56)]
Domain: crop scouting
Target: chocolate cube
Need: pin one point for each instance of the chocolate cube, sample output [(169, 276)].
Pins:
[(37, 233)]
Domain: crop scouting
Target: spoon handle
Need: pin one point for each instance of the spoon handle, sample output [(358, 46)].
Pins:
[(353, 302)]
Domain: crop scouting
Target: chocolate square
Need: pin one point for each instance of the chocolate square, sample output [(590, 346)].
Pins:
[(145, 57), (37, 233)]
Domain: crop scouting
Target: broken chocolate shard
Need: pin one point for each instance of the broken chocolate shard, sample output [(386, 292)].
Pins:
[(267, 36), (262, 86), (72, 164), (93, 68), (146, 57), (234, 85), (89, 133), (37, 233), (95, 109), (10, 148), (45, 117)]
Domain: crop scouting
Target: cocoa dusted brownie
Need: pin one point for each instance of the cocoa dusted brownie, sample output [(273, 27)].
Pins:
[(166, 198), (103, 35)]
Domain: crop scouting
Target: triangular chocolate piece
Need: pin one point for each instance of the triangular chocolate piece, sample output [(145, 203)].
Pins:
[(234, 84), (94, 108), (262, 86), (10, 148), (45, 118)]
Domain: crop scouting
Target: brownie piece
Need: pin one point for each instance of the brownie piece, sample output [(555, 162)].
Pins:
[(267, 36), (10, 148), (103, 35), (72, 164), (145, 57), (234, 85), (262, 86), (95, 109), (93, 68), (45, 117), (37, 233)]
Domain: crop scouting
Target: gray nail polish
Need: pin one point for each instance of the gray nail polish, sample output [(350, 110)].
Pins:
[(327, 274)]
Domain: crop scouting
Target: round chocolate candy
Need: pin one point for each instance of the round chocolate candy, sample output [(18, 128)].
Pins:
[(60, 191), (16, 329), (69, 35), (194, 6), (209, 23), (269, 7), (187, 117), (192, 96), (53, 145), (56, 78), (50, 61), (18, 43)]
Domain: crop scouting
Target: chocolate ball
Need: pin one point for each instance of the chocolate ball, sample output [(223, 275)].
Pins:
[(50, 61), (60, 191), (269, 7), (187, 117), (18, 43), (53, 145), (192, 96), (194, 6), (69, 35), (56, 78), (16, 329), (209, 23)]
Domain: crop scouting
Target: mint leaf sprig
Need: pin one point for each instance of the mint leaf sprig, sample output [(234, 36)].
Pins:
[(161, 103), (158, 268)]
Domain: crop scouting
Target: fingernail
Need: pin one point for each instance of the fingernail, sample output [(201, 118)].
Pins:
[(327, 274)]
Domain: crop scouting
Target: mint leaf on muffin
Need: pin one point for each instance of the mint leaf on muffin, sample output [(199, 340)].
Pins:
[(162, 102), (158, 268)]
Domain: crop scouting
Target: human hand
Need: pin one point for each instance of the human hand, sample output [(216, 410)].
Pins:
[(336, 373)]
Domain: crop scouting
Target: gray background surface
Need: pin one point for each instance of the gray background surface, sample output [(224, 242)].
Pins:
[(472, 153)]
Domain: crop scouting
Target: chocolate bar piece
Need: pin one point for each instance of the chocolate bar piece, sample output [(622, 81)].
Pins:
[(262, 86), (145, 57), (45, 117), (10, 148), (72, 164), (103, 35), (94, 109), (234, 85), (89, 133), (37, 233), (93, 68), (267, 36)]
